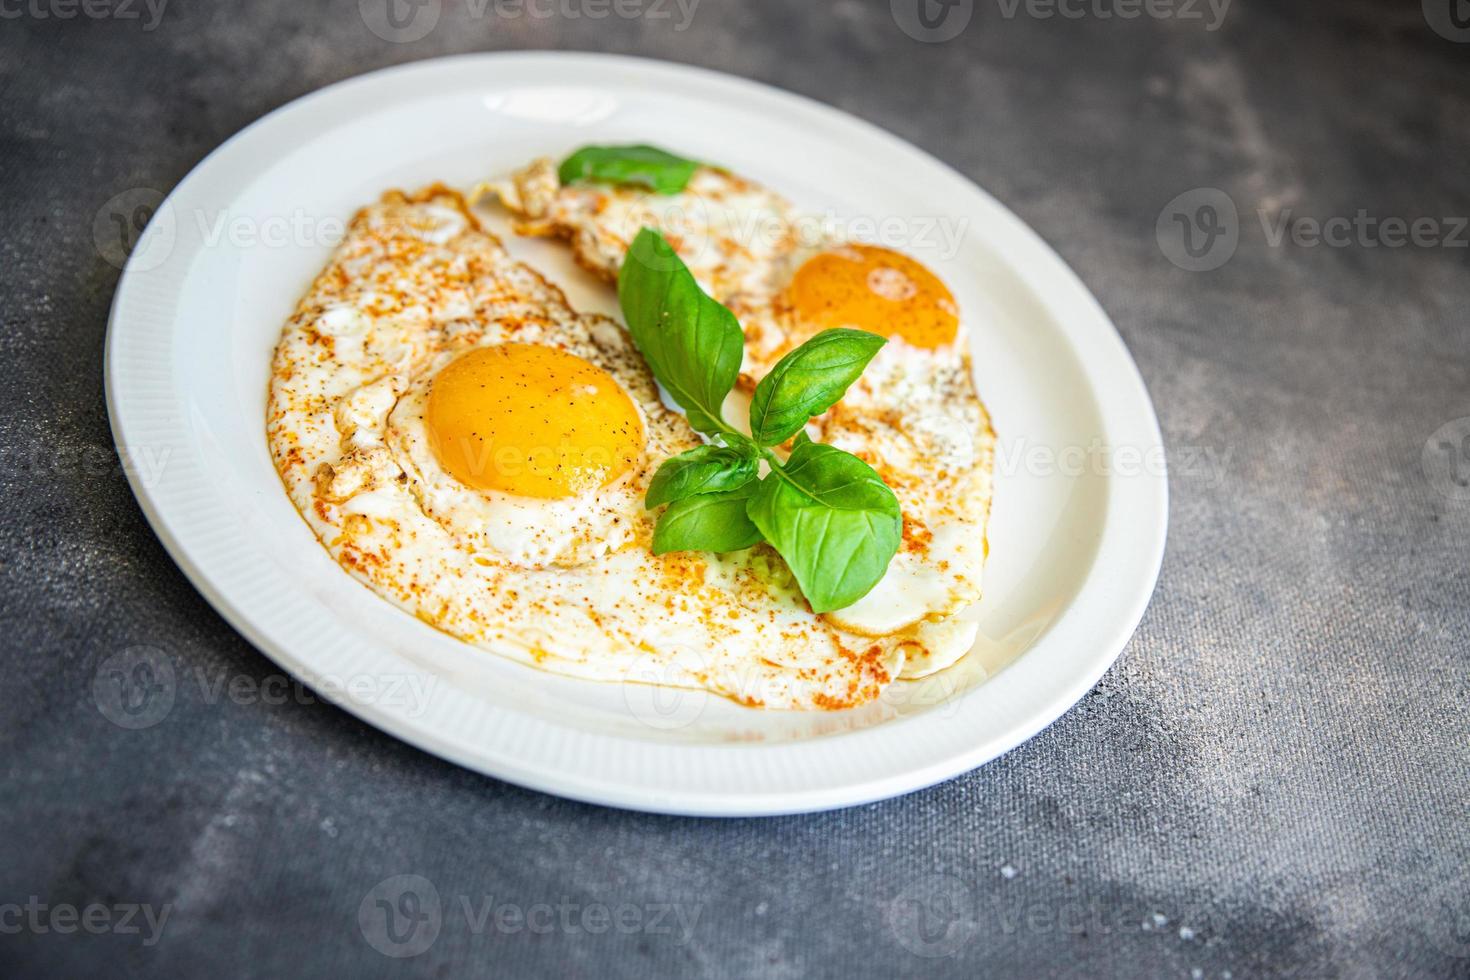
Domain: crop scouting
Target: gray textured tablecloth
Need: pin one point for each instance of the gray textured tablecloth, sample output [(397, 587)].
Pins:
[(1271, 781)]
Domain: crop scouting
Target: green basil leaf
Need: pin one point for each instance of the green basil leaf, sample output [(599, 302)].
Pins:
[(742, 444), (703, 469), (834, 521), (641, 166), (808, 381), (707, 522), (692, 343)]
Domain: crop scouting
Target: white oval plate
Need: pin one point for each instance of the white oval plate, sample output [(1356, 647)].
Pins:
[(1076, 536)]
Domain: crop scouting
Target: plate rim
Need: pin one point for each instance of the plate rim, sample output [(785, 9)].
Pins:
[(1146, 495)]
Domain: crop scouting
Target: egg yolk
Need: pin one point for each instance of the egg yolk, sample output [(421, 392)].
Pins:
[(532, 421), (874, 289)]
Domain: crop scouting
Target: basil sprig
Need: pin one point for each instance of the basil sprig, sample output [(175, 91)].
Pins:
[(693, 344), (708, 522), (640, 166), (833, 519), (827, 513), (808, 381), (702, 470)]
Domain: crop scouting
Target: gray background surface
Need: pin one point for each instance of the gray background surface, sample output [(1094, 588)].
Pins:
[(1271, 781)]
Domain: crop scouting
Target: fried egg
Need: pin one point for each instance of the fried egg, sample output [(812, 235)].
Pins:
[(526, 453), (474, 450), (914, 415)]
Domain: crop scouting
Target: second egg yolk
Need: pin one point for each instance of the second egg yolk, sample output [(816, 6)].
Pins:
[(532, 421), (874, 289)]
